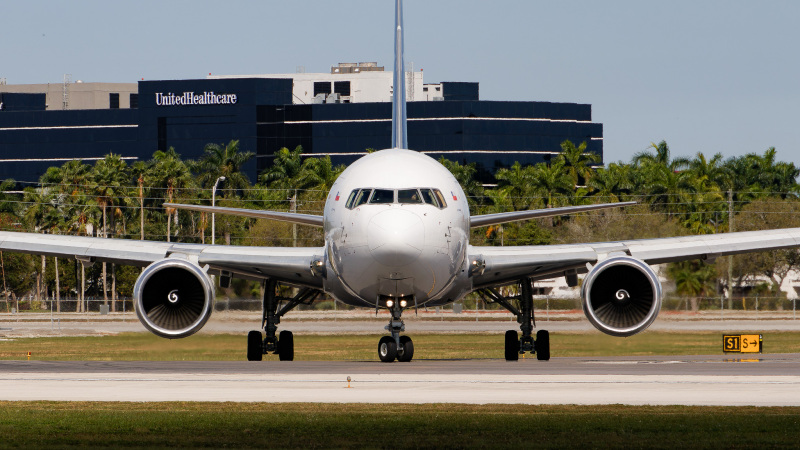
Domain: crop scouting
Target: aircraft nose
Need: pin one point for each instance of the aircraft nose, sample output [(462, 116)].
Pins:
[(395, 237)]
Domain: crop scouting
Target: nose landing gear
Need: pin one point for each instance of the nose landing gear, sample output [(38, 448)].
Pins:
[(395, 346)]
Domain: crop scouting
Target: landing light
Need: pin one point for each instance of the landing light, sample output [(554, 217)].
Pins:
[(389, 303), (403, 303)]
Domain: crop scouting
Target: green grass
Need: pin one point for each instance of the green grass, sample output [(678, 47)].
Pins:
[(225, 347), (299, 425)]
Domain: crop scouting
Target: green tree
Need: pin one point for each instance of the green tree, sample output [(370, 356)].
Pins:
[(694, 279), (660, 155), (318, 175), (515, 182), (552, 183), (223, 161), (285, 169), (763, 214), (110, 179), (755, 176), (612, 183), (577, 163), (168, 175), (465, 175)]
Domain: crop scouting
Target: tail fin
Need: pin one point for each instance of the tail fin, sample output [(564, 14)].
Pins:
[(399, 129)]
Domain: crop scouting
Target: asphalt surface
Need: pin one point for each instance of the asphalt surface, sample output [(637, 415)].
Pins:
[(764, 380)]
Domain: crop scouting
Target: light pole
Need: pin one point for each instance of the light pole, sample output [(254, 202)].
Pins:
[(213, 203)]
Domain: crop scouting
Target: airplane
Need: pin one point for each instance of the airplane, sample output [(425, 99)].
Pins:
[(396, 229)]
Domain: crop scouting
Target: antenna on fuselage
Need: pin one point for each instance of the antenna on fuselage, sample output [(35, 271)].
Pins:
[(399, 128)]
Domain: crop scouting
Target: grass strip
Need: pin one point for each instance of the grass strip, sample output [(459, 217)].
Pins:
[(300, 425), (228, 347)]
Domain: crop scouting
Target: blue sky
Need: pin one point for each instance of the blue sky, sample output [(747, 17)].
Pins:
[(710, 76)]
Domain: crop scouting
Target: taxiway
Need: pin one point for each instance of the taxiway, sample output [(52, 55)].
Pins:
[(764, 380)]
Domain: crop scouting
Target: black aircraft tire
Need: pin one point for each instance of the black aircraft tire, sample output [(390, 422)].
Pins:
[(387, 349), (286, 346), (255, 346), (512, 346), (542, 345), (406, 350)]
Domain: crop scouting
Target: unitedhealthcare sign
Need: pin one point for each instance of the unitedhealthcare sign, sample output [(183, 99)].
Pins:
[(191, 99)]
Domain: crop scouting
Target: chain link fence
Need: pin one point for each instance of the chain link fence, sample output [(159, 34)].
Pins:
[(708, 306)]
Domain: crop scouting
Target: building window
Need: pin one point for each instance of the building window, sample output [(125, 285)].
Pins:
[(342, 88), (113, 100), (134, 101), (322, 87), (162, 133)]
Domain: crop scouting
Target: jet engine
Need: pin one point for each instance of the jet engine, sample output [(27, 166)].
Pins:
[(173, 298), (621, 296)]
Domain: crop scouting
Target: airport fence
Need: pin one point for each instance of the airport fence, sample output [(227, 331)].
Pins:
[(470, 304)]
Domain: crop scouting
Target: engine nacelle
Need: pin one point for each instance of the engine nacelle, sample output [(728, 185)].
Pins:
[(173, 298), (621, 296)]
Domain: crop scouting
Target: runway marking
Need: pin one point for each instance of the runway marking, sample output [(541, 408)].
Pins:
[(748, 381), (694, 361), (633, 362)]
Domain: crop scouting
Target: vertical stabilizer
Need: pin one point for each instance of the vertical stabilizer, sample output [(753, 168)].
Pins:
[(399, 129)]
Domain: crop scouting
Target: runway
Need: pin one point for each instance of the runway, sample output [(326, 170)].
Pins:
[(764, 380)]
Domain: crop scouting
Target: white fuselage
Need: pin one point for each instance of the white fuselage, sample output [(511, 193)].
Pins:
[(396, 227)]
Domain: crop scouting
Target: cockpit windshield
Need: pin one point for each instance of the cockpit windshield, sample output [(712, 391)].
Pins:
[(408, 196), (361, 197), (381, 196), (412, 196)]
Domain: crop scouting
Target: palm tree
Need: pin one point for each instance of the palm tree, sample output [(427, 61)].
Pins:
[(9, 207), (703, 197), (661, 186), (140, 171), (551, 183), (41, 202), (110, 179), (713, 171), (223, 161), (285, 169), (319, 174), (612, 183), (694, 279), (465, 175), (499, 203), (70, 181), (660, 156), (168, 173), (285, 175), (577, 162), (9, 203), (515, 182), (109, 182)]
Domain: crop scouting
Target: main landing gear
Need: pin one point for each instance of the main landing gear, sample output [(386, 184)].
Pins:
[(515, 345), (280, 344), (395, 346)]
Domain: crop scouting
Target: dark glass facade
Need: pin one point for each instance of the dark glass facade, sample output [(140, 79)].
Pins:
[(491, 134), (188, 114), (33, 141)]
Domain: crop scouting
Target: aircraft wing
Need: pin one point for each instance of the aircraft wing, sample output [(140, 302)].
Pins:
[(484, 220), (292, 265), (298, 218), (497, 265)]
